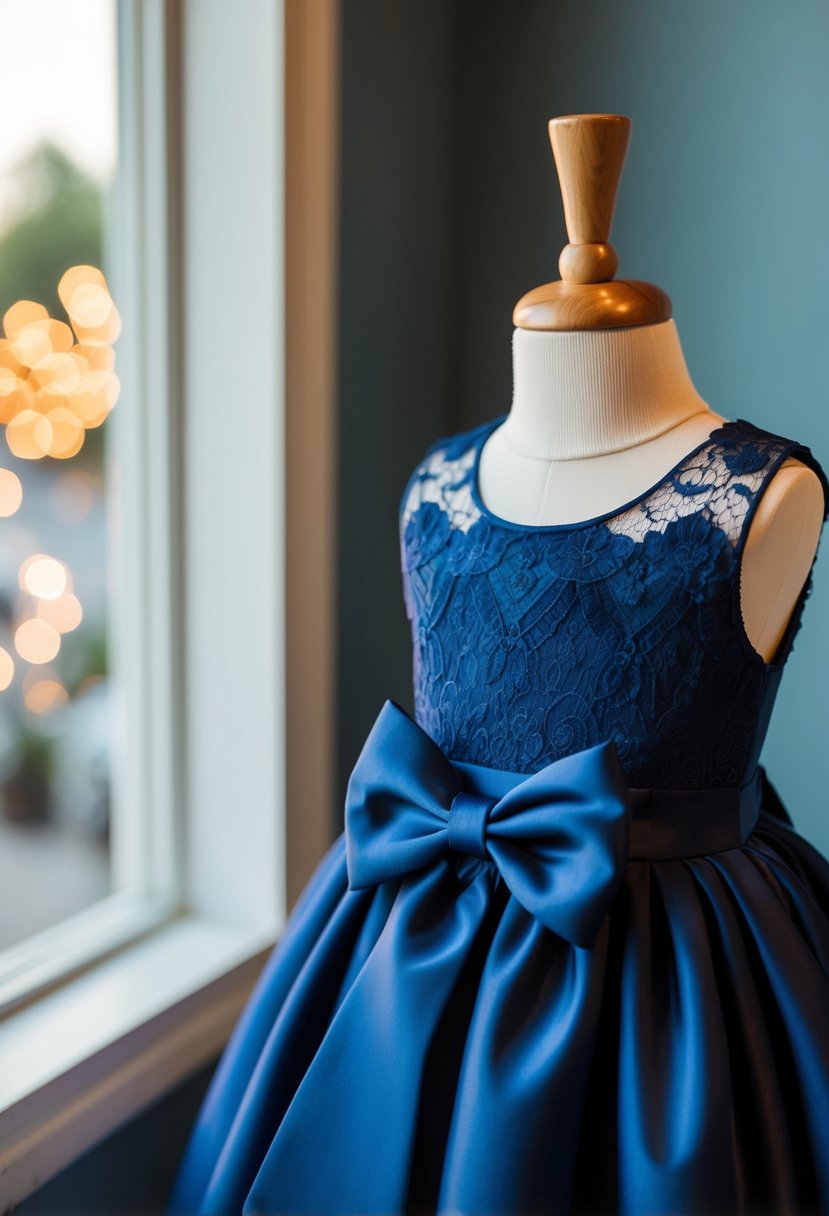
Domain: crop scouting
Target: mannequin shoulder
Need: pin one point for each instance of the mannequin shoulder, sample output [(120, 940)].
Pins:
[(791, 510), (780, 547)]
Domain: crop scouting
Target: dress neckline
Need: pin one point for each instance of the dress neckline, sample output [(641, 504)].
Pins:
[(500, 522)]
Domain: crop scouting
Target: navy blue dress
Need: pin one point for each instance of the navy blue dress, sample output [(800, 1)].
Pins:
[(569, 953)]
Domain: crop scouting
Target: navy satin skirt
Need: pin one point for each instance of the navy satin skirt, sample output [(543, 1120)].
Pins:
[(512, 993)]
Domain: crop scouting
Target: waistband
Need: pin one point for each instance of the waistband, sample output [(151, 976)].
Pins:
[(665, 823)]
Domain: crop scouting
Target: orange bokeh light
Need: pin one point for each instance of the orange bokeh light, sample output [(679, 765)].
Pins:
[(36, 641), (55, 384), (67, 433), (7, 356), (30, 345), (11, 493), (10, 388), (9, 380), (29, 435), (90, 306), (21, 314), (99, 356), (75, 277), (84, 294), (41, 696), (58, 332), (64, 613), (62, 373)]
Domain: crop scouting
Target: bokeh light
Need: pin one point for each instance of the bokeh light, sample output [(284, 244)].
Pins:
[(60, 335), (84, 294), (30, 346), (20, 315), (64, 613), (57, 379), (59, 163), (36, 641), (75, 277), (6, 669), (11, 493), (67, 433), (43, 576), (29, 435), (42, 693)]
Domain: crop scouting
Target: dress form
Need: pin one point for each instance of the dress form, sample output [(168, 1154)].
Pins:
[(603, 405)]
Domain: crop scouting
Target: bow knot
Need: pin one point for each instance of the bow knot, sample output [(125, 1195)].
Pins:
[(466, 829), (558, 837)]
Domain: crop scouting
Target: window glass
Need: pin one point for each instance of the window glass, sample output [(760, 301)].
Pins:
[(58, 382)]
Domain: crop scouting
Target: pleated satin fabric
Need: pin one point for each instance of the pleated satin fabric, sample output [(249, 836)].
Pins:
[(420, 1040)]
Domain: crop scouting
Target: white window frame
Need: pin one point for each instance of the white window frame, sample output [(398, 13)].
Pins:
[(115, 1006), (143, 612)]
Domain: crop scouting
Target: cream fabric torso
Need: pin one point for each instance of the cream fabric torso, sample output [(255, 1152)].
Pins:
[(597, 417), (600, 416)]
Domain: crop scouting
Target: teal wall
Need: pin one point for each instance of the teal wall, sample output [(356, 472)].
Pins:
[(723, 204), (450, 211)]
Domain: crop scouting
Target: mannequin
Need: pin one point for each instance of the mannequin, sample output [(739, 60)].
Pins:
[(602, 408)]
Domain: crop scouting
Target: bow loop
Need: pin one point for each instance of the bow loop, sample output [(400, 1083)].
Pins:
[(466, 829), (559, 837)]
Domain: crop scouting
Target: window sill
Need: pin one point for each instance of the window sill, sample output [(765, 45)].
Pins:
[(163, 1007)]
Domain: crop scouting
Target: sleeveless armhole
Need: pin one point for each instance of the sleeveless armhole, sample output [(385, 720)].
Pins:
[(784, 647), (416, 473), (412, 480)]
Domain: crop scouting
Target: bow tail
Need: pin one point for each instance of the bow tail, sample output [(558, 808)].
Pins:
[(368, 1074)]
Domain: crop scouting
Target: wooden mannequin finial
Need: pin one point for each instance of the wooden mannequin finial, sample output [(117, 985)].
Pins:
[(589, 151)]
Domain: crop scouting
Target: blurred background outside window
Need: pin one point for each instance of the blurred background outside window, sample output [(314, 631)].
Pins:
[(58, 380)]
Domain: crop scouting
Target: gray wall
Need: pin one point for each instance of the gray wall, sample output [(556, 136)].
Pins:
[(723, 204), (397, 341)]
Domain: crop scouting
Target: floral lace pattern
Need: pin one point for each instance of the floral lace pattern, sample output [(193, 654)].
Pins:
[(531, 643)]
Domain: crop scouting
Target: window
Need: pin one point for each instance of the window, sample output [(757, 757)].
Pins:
[(114, 1002), (91, 760), (58, 149), (77, 873)]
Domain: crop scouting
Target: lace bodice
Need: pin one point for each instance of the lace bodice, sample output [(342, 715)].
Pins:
[(532, 642)]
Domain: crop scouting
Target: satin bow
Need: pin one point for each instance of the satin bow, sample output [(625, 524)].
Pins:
[(559, 837)]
